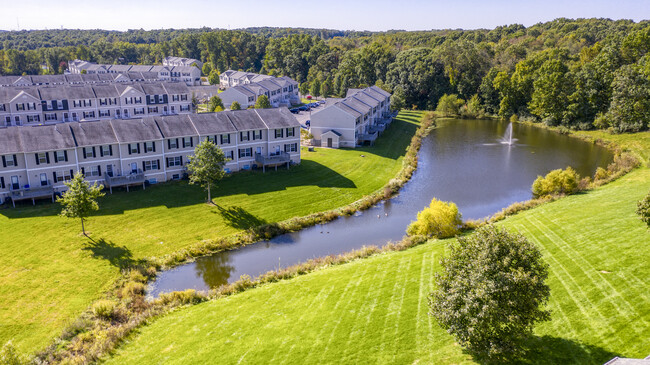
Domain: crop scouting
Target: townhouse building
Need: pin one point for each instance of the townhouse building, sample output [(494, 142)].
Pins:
[(72, 103), (172, 61), (281, 91), (76, 79), (37, 160), (190, 75), (353, 120)]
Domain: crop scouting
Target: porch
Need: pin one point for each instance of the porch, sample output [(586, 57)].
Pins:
[(132, 179), (275, 160), (29, 193)]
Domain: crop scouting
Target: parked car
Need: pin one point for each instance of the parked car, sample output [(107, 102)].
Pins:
[(304, 108), (314, 105), (321, 102), (294, 110), (308, 123)]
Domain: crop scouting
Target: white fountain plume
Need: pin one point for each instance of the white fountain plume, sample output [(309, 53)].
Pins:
[(507, 137)]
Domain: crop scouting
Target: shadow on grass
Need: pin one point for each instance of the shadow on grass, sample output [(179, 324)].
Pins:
[(120, 257), (238, 217), (554, 350)]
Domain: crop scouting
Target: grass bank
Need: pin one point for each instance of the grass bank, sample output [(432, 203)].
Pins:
[(374, 310), (49, 273)]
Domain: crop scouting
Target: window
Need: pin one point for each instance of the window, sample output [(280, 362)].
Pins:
[(149, 147), (187, 142), (184, 108), (106, 150), (92, 171), (134, 148), (20, 107), (60, 156), (174, 161), (184, 97), (175, 97), (172, 143), (257, 135), (90, 114), (152, 109), (290, 132), (9, 160), (138, 111), (60, 176), (89, 152), (34, 118), (225, 139), (279, 133), (245, 152), (50, 116), (150, 165), (104, 113), (244, 136), (230, 155), (291, 147), (42, 157)]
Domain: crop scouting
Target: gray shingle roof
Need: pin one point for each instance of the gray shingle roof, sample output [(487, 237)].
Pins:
[(46, 138), (212, 123), (278, 118), (245, 120), (93, 133), (106, 91), (380, 90), (175, 126), (176, 88), (52, 93), (10, 140), (136, 130), (78, 92), (141, 68), (153, 89)]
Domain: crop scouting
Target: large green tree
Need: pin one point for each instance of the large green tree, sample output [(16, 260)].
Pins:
[(551, 92), (629, 110), (491, 292), (205, 167), (80, 199), (215, 104), (262, 102)]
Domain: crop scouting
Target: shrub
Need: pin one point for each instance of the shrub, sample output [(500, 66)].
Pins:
[(133, 288), (104, 309), (440, 219), (189, 296), (601, 174), (449, 105), (643, 209), (556, 182), (490, 291)]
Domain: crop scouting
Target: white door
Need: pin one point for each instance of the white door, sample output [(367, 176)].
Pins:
[(134, 167), (258, 150)]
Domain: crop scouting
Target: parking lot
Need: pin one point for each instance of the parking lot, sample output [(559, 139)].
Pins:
[(304, 116)]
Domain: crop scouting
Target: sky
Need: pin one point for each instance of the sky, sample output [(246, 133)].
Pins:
[(375, 15)]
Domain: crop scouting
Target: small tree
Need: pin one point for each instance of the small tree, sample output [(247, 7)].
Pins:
[(490, 291), (315, 87), (304, 88), (215, 104), (235, 106), (643, 209), (449, 104), (440, 219), (213, 77), (206, 69), (206, 166), (262, 102), (80, 199), (556, 182)]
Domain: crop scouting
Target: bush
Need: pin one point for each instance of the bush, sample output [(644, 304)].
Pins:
[(133, 288), (643, 209), (556, 182), (440, 219), (449, 105), (104, 309), (601, 174), (10, 356), (490, 291)]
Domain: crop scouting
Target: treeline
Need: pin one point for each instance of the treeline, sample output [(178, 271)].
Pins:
[(582, 73)]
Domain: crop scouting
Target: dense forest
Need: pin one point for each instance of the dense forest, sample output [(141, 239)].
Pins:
[(584, 73)]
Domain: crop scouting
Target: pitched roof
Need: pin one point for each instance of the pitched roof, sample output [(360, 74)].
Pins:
[(245, 120), (106, 91), (277, 118), (175, 126), (141, 68), (136, 130), (212, 123), (10, 140), (77, 92), (176, 88), (93, 133), (46, 138)]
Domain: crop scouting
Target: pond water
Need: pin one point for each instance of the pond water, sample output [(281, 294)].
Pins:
[(468, 162)]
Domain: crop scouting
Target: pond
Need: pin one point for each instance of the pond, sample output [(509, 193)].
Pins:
[(469, 162)]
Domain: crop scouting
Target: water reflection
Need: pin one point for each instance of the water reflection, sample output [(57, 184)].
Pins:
[(462, 161)]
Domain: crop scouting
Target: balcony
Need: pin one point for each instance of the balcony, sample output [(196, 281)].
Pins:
[(32, 193), (131, 179), (275, 160)]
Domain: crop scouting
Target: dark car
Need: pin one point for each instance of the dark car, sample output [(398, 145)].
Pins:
[(304, 108), (294, 110), (308, 123)]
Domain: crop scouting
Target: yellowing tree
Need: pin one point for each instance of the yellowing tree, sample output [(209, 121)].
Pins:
[(440, 219)]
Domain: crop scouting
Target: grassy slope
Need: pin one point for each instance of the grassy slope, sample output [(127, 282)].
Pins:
[(49, 273), (375, 310)]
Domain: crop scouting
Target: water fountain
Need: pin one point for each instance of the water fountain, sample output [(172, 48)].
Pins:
[(507, 137)]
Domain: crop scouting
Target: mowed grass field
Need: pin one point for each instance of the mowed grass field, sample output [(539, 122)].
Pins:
[(49, 273), (375, 310)]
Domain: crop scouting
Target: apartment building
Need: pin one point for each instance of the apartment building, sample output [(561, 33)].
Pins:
[(77, 79), (281, 91), (65, 103), (37, 160), (348, 122), (172, 61), (190, 75)]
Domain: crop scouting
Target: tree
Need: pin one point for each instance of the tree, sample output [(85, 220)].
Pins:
[(205, 167), (213, 77), (551, 92), (440, 219), (643, 209), (80, 199), (629, 110), (206, 69), (304, 88), (490, 292), (315, 87), (235, 106), (449, 104), (215, 104), (262, 102), (556, 182)]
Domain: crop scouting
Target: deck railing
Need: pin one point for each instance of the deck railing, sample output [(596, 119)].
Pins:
[(133, 178)]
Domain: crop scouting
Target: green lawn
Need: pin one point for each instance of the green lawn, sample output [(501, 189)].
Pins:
[(375, 310), (49, 273)]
